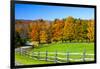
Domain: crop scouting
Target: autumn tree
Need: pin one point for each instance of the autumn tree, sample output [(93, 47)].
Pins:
[(43, 36), (18, 27), (43, 32), (49, 31), (78, 30), (68, 31), (84, 29), (57, 30), (90, 29), (38, 30), (34, 34)]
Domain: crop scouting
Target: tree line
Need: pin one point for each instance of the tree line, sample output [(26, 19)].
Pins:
[(65, 30)]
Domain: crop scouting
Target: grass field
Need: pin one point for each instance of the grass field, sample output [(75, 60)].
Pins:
[(64, 47), (24, 60), (59, 47)]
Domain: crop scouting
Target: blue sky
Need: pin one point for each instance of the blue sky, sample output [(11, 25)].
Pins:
[(32, 12)]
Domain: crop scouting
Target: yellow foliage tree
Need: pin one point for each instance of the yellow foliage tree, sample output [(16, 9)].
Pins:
[(68, 33), (43, 36), (90, 30)]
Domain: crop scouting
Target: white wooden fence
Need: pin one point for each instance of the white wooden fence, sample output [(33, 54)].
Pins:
[(54, 56)]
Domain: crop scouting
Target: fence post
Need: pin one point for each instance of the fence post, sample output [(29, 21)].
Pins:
[(27, 54), (56, 56), (24, 53), (84, 55), (67, 55), (46, 58), (32, 55), (38, 55), (20, 51)]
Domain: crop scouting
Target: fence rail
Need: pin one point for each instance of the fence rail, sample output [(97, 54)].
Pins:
[(57, 57)]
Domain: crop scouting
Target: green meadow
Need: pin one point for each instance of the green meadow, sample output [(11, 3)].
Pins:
[(59, 48)]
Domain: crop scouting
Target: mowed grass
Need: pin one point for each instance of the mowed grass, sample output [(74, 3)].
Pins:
[(60, 48), (64, 48), (24, 60), (67, 47)]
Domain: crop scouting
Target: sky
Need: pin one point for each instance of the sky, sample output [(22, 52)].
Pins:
[(46, 12)]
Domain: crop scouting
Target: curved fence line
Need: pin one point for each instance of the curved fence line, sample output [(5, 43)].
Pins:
[(57, 57)]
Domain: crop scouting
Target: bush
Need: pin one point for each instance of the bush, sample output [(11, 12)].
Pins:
[(35, 44)]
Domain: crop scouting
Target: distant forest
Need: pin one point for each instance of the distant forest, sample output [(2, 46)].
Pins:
[(65, 30)]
